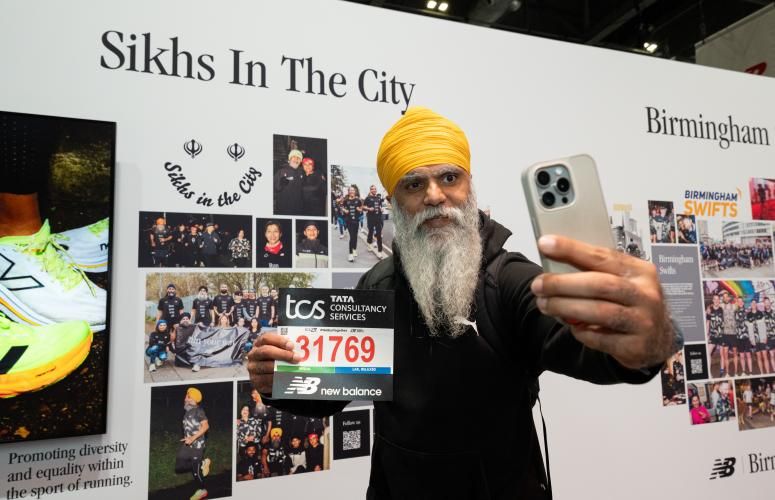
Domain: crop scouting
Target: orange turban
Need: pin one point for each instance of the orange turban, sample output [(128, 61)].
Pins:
[(421, 137), (194, 394)]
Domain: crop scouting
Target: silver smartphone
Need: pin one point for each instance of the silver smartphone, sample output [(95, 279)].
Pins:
[(564, 197)]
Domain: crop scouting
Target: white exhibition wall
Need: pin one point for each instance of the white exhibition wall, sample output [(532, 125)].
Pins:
[(520, 100)]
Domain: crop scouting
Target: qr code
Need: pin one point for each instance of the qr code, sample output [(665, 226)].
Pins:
[(284, 330), (695, 366), (351, 440)]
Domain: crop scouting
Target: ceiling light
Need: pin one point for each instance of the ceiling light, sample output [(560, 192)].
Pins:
[(443, 6), (650, 47), (431, 4)]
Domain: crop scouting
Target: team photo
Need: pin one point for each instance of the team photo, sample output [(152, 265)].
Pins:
[(735, 249), (169, 239), (202, 325), (740, 327), (272, 442)]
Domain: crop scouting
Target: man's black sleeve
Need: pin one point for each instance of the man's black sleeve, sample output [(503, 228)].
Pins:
[(550, 344)]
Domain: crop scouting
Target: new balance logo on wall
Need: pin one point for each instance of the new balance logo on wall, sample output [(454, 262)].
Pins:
[(303, 385), (723, 467)]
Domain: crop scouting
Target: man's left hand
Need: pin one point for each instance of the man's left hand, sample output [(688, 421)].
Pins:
[(614, 304)]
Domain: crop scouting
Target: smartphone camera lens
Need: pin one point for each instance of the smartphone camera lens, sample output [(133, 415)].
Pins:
[(548, 199), (563, 184), (543, 178)]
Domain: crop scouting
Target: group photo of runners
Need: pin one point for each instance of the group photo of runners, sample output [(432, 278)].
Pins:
[(361, 218), (271, 442), (190, 441), (756, 400), (299, 182), (661, 222), (169, 239), (202, 325), (710, 402), (740, 327), (735, 249), (762, 194)]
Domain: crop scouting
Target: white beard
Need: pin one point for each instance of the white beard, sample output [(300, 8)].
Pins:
[(441, 264)]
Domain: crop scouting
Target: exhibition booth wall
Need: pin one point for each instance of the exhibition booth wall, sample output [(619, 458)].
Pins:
[(209, 102)]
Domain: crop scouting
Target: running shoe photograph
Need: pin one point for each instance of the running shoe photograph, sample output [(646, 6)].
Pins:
[(87, 246), (34, 357), (40, 285)]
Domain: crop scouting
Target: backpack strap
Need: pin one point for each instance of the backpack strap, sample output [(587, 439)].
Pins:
[(491, 304), (489, 295)]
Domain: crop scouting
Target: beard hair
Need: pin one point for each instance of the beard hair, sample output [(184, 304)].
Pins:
[(441, 264)]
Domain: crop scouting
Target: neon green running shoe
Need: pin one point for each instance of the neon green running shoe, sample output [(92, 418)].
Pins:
[(40, 285), (33, 357)]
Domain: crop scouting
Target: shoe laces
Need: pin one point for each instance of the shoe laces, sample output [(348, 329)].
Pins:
[(55, 260), (99, 227)]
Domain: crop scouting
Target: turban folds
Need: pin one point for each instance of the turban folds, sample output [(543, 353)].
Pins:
[(421, 137), (194, 394)]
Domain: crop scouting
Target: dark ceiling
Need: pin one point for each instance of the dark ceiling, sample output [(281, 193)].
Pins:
[(674, 25)]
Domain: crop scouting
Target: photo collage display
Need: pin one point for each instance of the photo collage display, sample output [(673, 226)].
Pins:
[(211, 291), (727, 374)]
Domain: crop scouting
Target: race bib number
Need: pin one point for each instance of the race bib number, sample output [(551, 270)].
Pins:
[(345, 339)]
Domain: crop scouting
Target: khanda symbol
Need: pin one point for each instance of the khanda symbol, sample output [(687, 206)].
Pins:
[(235, 151), (192, 148)]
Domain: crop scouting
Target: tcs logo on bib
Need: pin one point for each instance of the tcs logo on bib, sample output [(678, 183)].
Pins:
[(304, 309)]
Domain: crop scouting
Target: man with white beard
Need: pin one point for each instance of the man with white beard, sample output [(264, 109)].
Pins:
[(476, 325)]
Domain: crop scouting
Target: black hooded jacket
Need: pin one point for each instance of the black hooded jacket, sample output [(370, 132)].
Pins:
[(427, 446)]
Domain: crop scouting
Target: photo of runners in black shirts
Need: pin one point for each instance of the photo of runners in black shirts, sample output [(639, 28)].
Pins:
[(274, 243), (170, 239), (735, 249), (740, 325), (203, 324), (299, 176), (360, 218), (272, 442)]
